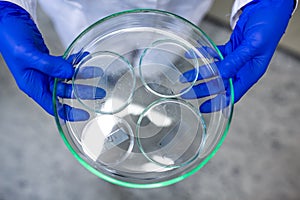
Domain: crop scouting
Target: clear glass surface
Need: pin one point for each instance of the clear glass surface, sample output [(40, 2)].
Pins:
[(163, 62), (166, 137), (143, 132), (118, 81)]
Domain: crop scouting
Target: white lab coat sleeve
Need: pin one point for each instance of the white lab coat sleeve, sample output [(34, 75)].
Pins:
[(296, 6), (236, 10), (29, 5)]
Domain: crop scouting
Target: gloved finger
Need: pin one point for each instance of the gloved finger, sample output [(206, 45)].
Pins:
[(44, 98), (212, 53), (191, 54), (77, 57), (36, 86), (243, 82), (217, 103), (66, 112), (209, 88), (82, 91), (71, 114), (88, 72), (38, 90), (204, 72), (203, 51), (54, 66), (234, 61), (240, 88), (225, 49)]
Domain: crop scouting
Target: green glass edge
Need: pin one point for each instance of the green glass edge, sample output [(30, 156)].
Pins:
[(135, 185)]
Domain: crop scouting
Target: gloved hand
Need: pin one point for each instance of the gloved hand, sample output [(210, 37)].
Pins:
[(26, 55), (252, 44)]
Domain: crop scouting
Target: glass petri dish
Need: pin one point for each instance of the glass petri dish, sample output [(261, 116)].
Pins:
[(175, 135), (163, 63), (144, 115), (110, 144), (108, 71)]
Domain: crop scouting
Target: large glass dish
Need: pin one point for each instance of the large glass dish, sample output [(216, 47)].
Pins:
[(146, 130)]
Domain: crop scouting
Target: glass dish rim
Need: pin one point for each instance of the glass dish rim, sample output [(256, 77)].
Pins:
[(124, 183), (77, 96), (177, 101)]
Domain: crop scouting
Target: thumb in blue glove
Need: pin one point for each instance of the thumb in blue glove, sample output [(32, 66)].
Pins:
[(28, 59)]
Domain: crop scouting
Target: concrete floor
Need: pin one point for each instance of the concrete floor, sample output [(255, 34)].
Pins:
[(259, 159)]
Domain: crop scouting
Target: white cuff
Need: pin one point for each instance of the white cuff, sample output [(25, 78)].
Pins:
[(28, 5), (296, 6), (236, 11)]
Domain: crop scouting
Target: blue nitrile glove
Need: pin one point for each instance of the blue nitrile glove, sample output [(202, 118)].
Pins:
[(252, 44), (26, 55)]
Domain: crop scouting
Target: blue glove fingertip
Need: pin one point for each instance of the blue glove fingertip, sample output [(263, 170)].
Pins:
[(72, 114), (190, 54), (59, 67), (100, 93), (89, 72), (188, 76)]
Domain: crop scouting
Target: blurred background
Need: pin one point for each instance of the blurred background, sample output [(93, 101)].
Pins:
[(260, 158)]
